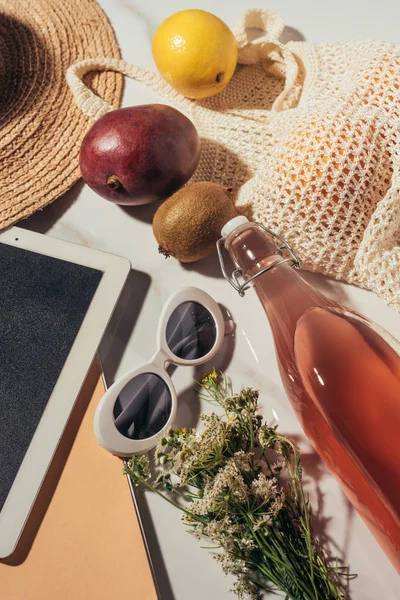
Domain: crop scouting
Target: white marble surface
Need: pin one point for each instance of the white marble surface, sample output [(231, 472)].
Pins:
[(184, 569)]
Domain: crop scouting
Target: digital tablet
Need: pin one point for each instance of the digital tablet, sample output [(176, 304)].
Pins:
[(56, 299)]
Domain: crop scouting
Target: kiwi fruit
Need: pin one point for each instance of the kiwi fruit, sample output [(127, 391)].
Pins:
[(188, 224)]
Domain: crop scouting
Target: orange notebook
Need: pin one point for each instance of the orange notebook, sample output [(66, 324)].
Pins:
[(83, 539)]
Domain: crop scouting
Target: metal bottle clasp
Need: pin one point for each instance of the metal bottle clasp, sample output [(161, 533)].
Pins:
[(239, 281)]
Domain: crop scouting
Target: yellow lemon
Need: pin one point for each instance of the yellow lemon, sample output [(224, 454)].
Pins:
[(195, 52)]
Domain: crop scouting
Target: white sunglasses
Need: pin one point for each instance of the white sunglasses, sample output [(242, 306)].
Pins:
[(138, 409)]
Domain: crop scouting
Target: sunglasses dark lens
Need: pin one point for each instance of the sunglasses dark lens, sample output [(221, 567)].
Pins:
[(191, 331), (143, 407)]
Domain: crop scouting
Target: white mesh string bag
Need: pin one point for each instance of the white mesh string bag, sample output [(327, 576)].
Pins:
[(308, 137)]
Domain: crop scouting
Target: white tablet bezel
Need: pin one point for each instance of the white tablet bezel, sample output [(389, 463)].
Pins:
[(40, 452)]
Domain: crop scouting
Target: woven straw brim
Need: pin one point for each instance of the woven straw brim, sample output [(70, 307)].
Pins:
[(41, 128)]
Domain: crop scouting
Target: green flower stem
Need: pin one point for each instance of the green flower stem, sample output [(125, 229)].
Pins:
[(297, 582), (251, 432), (322, 571), (271, 576), (154, 489), (266, 552), (298, 487), (295, 575)]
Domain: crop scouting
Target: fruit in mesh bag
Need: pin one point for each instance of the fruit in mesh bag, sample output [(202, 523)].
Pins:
[(328, 168)]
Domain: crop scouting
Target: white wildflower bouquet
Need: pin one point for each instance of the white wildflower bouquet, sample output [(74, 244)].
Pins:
[(239, 485)]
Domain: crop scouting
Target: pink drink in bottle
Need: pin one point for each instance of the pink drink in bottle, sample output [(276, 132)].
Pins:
[(341, 373)]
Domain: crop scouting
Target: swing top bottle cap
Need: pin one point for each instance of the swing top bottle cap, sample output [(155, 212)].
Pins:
[(232, 225)]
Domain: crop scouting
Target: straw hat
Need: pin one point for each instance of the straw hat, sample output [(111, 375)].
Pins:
[(41, 128)]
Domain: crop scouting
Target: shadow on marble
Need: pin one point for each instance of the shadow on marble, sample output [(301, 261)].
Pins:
[(123, 322), (43, 220), (290, 34), (144, 213), (209, 266)]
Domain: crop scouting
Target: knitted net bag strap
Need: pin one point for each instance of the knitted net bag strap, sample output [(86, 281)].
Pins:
[(266, 50), (94, 106)]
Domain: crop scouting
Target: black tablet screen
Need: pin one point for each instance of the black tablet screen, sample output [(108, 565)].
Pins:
[(43, 302)]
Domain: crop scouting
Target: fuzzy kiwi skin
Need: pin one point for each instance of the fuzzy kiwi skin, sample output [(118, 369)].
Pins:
[(188, 224)]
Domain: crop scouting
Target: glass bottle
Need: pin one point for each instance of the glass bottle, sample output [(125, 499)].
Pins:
[(341, 373)]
